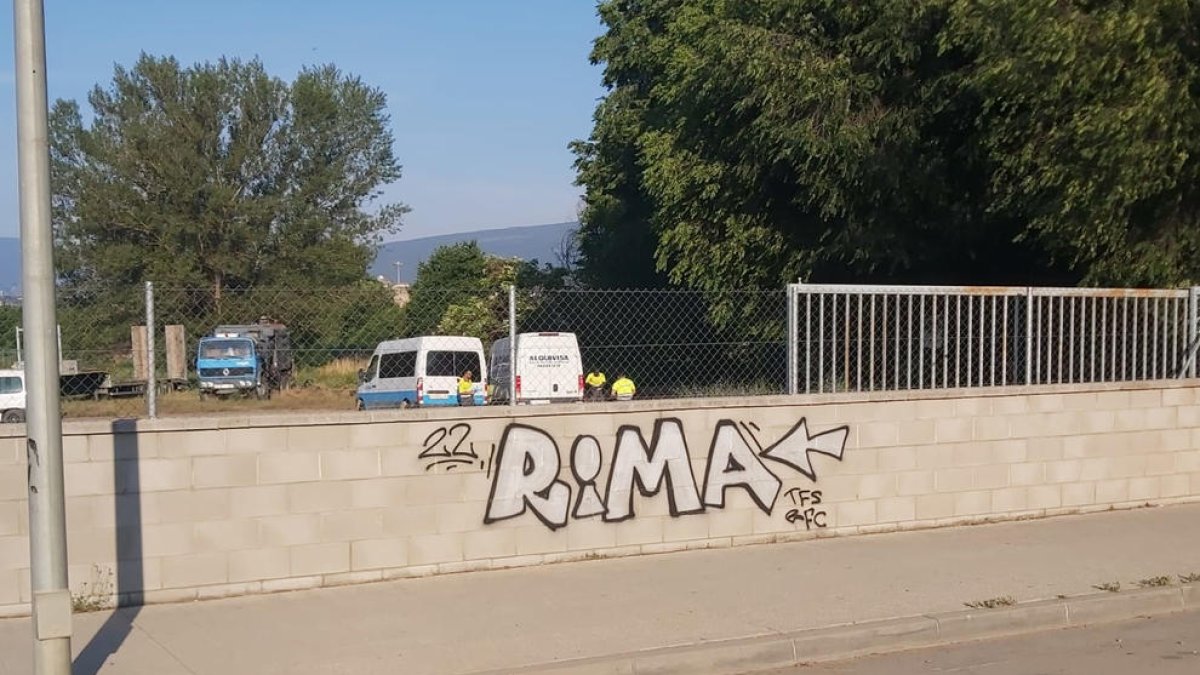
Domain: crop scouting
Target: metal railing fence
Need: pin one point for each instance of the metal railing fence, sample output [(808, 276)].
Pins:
[(880, 338)]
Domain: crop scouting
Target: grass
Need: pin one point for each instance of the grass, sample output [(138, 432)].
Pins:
[(1111, 587), (1154, 582), (717, 389), (189, 403), (1189, 578), (992, 603), (327, 387), (96, 594), (340, 373)]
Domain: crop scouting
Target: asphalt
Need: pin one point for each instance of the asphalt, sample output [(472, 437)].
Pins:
[(680, 612)]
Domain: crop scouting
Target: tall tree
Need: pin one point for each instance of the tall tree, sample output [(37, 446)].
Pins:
[(754, 143), (219, 176)]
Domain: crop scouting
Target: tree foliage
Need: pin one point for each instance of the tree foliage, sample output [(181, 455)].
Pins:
[(748, 144), (221, 176), (460, 290)]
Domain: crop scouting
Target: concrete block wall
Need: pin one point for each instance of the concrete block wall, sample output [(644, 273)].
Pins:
[(183, 509)]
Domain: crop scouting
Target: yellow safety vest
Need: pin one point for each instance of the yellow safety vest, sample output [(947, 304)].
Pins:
[(623, 386), (596, 379)]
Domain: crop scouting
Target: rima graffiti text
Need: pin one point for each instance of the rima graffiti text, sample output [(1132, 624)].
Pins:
[(527, 467)]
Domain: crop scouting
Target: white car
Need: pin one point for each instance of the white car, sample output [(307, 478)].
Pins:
[(12, 396)]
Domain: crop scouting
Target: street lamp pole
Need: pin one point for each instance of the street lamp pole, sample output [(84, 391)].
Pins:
[(47, 518)]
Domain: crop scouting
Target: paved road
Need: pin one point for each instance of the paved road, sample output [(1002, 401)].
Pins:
[(1165, 645)]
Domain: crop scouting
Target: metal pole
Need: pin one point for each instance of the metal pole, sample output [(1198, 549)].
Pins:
[(1193, 331), (1028, 336), (793, 338), (151, 377), (512, 344), (47, 516)]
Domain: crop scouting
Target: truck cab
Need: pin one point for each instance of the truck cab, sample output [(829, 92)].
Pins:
[(12, 396), (229, 364)]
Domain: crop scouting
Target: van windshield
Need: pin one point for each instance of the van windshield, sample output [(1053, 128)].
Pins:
[(225, 349), (451, 364), (10, 385)]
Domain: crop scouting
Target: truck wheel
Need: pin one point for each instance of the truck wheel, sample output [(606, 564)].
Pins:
[(13, 416)]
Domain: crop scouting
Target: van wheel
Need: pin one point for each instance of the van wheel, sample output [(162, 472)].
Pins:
[(13, 416)]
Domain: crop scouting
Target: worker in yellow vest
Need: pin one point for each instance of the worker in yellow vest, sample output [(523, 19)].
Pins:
[(594, 386), (466, 389), (623, 389)]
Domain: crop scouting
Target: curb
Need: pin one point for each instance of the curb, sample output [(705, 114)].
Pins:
[(783, 650)]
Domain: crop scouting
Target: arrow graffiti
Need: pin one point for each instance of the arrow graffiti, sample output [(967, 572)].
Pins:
[(796, 447)]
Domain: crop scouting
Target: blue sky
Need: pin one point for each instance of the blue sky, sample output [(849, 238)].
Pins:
[(484, 95)]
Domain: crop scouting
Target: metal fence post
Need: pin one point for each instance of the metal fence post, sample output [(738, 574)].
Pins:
[(1193, 331), (793, 339), (151, 376), (1028, 335), (512, 344)]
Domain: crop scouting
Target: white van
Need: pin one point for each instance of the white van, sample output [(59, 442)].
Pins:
[(422, 371), (12, 396), (549, 368)]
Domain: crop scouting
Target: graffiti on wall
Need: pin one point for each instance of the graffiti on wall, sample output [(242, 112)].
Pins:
[(452, 447), (527, 467)]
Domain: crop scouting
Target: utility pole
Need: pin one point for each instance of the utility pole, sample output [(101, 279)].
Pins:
[(47, 516), (398, 265)]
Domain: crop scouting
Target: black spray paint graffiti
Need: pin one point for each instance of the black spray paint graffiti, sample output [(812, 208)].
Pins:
[(527, 467), (450, 447), (806, 512)]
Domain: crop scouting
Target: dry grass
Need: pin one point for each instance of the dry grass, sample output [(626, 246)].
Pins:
[(337, 374), (189, 403), (992, 603)]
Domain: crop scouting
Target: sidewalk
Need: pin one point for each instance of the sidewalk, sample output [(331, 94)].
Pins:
[(504, 620)]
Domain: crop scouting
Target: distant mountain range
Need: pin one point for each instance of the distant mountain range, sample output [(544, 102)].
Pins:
[(540, 242), (528, 243)]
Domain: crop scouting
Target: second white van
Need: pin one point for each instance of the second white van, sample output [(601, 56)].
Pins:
[(422, 371), (549, 368)]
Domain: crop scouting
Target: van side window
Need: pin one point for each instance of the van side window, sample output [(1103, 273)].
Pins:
[(451, 364), (10, 385), (399, 364)]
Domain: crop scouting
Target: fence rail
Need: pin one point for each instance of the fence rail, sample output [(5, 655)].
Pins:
[(806, 338), (871, 338)]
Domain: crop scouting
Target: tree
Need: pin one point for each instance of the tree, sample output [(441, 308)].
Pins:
[(460, 290), (220, 176), (452, 275), (949, 141)]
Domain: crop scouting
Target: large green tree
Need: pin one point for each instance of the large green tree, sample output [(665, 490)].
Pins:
[(219, 176), (748, 144)]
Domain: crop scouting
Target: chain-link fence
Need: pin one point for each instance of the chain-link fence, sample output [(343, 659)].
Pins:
[(668, 343), (102, 351), (373, 344), (869, 338)]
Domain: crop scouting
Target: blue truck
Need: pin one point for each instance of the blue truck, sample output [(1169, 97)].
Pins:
[(247, 360)]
